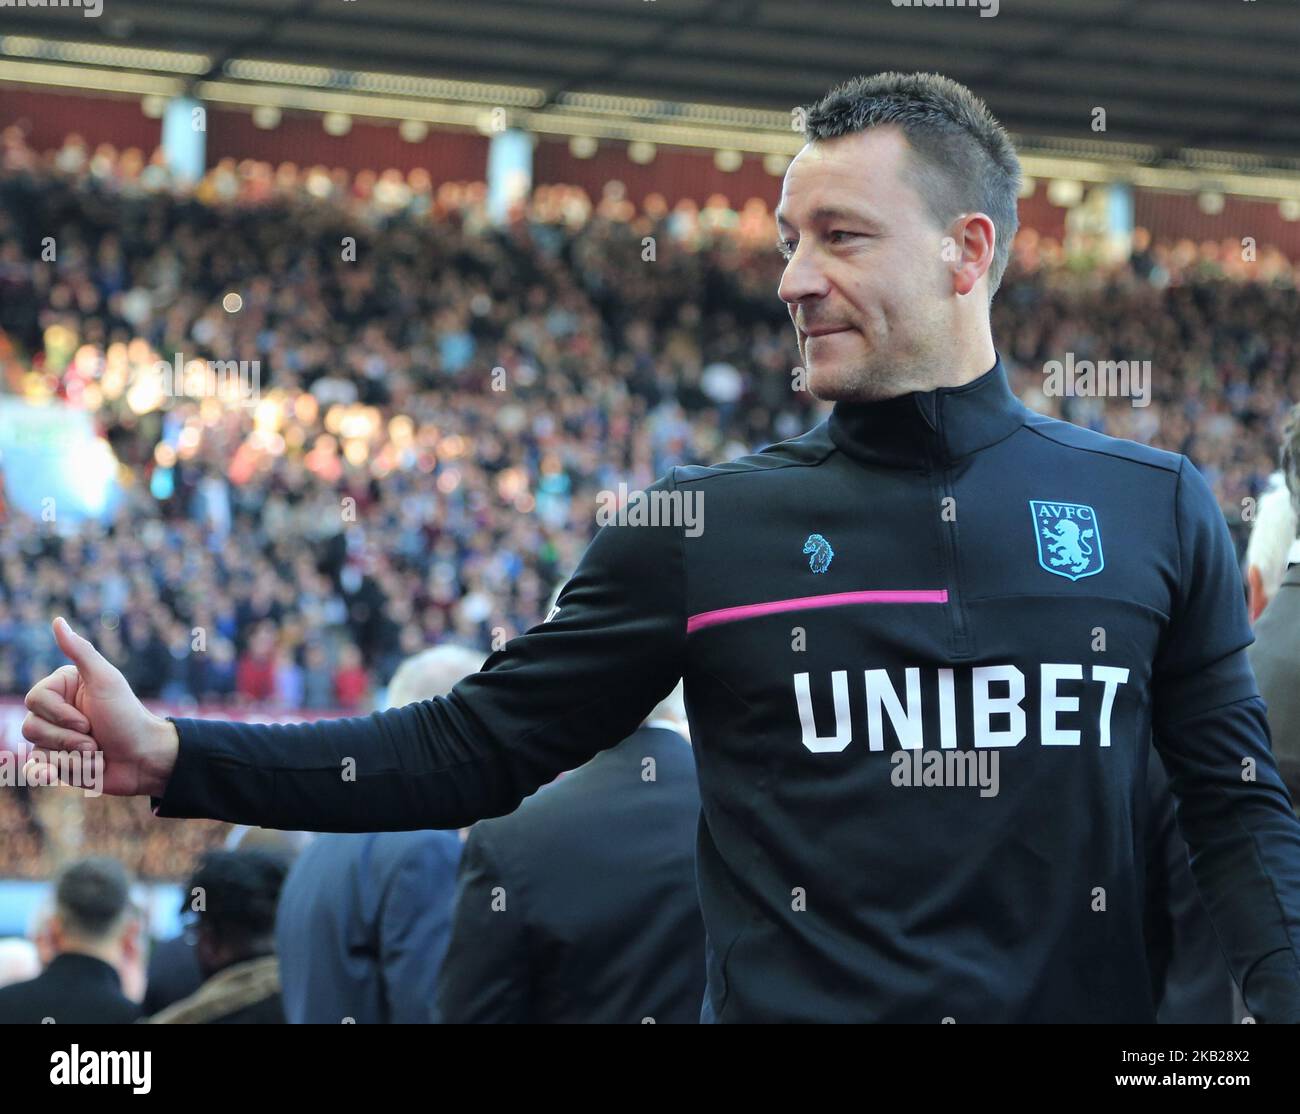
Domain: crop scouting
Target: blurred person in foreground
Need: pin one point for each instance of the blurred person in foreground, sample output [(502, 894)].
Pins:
[(581, 905), (1275, 654), (233, 895), (93, 936), (364, 919), (1272, 547), (174, 972), (927, 576)]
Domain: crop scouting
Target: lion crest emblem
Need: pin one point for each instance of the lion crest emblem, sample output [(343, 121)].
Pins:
[(1068, 537)]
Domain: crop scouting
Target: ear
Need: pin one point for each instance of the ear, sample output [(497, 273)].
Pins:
[(48, 940), (131, 936), (1258, 598), (969, 250)]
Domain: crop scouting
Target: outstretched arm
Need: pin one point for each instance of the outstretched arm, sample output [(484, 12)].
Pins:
[(572, 686)]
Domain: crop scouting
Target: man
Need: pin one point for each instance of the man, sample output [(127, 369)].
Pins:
[(94, 934), (1272, 547), (580, 906), (174, 972), (233, 895), (364, 920), (933, 569), (1277, 628)]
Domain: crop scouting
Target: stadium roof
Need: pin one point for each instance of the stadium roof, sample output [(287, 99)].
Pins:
[(1183, 82)]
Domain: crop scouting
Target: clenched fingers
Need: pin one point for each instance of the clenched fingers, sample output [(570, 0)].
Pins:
[(49, 736), (51, 699)]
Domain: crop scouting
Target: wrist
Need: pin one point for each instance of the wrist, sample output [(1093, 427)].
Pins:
[(159, 760)]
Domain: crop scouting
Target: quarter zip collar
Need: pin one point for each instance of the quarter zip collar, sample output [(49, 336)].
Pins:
[(923, 429)]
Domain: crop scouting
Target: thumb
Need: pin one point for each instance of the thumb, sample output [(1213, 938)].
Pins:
[(90, 663)]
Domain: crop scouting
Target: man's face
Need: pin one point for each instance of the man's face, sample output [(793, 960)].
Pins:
[(865, 280)]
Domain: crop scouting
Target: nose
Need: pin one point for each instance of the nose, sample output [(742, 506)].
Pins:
[(803, 278)]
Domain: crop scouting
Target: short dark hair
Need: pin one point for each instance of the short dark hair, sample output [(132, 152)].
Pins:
[(964, 160), (91, 895), (240, 893)]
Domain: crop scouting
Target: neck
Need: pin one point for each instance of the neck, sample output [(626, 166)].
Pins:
[(107, 953), (926, 429), (959, 363), (974, 358)]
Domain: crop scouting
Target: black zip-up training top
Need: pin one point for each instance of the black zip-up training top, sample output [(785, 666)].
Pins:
[(944, 585)]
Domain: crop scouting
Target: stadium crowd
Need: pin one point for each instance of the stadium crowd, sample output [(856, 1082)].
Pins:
[(440, 401)]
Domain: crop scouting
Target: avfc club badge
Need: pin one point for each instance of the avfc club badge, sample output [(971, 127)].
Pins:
[(1068, 537)]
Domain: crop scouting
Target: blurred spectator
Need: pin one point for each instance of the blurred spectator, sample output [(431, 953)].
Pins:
[(289, 680), (233, 899), (1275, 653), (174, 971), (581, 906), (350, 682), (1272, 545), (256, 675), (93, 937), (364, 920), (317, 680)]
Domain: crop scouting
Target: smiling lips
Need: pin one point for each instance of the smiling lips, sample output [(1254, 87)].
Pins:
[(821, 330), (825, 333)]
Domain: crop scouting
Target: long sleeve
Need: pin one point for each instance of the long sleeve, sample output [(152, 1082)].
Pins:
[(1190, 980), (1211, 731), (485, 976), (552, 698)]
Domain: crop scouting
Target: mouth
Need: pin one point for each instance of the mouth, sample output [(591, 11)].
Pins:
[(811, 333)]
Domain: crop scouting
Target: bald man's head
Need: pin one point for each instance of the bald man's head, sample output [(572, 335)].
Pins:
[(432, 672)]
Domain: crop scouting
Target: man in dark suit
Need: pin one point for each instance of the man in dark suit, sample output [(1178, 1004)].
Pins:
[(1274, 653), (581, 906), (1275, 656), (95, 933), (364, 919)]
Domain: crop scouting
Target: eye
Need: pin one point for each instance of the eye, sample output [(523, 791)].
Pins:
[(839, 235), (786, 248)]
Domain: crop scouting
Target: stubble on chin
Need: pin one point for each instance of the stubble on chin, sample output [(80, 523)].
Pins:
[(853, 384)]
